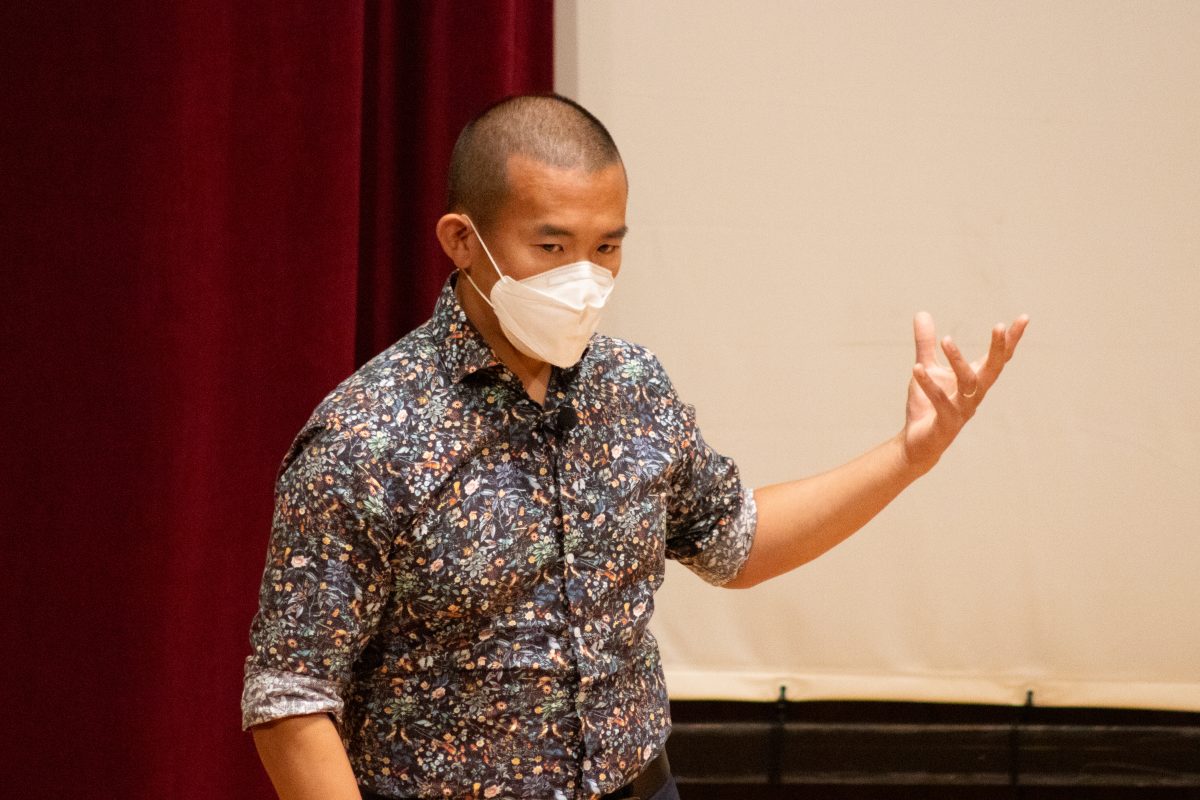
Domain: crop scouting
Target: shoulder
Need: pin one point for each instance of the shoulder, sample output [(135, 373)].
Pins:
[(634, 383), (371, 408), (622, 361), (385, 383)]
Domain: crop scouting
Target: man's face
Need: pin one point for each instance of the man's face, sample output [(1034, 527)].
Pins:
[(552, 217)]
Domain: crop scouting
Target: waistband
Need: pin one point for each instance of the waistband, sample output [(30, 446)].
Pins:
[(649, 780)]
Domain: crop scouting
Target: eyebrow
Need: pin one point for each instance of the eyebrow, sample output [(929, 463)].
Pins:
[(553, 230)]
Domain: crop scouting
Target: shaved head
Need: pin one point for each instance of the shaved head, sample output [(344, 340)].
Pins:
[(547, 128)]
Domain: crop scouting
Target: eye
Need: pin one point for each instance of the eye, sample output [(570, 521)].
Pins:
[(608, 249), (551, 248)]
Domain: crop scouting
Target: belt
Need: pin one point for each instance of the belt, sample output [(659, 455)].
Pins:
[(643, 787), (652, 778)]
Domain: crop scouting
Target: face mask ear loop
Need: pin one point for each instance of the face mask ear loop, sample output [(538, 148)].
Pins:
[(484, 245), (477, 290)]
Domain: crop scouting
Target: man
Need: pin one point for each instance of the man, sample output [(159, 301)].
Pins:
[(469, 530)]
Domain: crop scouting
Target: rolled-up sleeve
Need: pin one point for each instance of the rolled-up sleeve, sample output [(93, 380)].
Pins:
[(712, 516), (324, 586)]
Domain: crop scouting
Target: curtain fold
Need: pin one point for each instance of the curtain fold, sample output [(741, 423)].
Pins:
[(211, 213), (428, 68)]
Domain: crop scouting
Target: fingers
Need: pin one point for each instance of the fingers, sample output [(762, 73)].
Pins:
[(923, 333), (968, 381), (1014, 334), (973, 379), (937, 396), (996, 356), (1005, 339)]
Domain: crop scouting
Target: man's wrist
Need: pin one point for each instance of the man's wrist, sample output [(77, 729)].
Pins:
[(907, 467)]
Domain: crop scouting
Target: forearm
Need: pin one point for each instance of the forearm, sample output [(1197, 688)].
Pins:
[(305, 758), (799, 520)]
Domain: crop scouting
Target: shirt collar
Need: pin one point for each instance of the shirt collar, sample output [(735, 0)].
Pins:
[(463, 349)]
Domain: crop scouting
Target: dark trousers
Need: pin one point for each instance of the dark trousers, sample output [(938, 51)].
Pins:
[(669, 791)]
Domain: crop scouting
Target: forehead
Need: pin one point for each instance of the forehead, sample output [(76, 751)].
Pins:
[(571, 198)]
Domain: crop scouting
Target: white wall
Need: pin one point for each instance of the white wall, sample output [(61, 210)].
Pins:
[(807, 175)]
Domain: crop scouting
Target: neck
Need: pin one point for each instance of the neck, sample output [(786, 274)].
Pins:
[(532, 372)]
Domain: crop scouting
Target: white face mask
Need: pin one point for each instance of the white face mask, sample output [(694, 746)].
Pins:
[(551, 316)]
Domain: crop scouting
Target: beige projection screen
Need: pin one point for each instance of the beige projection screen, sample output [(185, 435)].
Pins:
[(807, 175)]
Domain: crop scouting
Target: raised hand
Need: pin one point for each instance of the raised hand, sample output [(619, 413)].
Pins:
[(941, 399)]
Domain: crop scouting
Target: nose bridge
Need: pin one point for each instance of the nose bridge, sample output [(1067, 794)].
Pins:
[(578, 249)]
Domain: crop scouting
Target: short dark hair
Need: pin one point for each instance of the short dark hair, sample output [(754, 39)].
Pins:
[(548, 128)]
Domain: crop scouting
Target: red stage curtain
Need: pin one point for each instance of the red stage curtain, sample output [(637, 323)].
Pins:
[(211, 213)]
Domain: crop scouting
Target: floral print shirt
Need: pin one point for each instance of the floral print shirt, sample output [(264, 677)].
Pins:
[(463, 578)]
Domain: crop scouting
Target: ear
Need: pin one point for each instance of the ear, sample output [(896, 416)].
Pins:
[(454, 234)]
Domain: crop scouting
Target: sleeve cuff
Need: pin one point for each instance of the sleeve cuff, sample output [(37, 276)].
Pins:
[(724, 553), (269, 694)]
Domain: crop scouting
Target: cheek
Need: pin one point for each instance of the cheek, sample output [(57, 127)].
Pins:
[(482, 276), (525, 262)]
